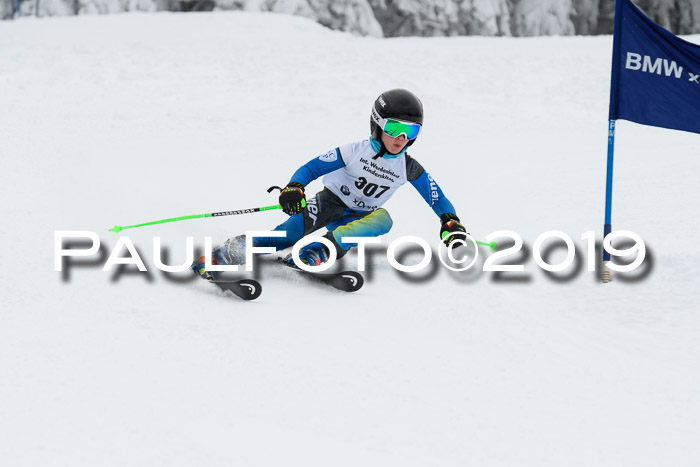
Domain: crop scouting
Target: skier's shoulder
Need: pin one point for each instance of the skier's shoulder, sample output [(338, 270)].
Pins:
[(353, 151), (413, 168)]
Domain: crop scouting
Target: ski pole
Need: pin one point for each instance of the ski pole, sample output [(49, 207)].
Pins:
[(492, 245), (119, 228)]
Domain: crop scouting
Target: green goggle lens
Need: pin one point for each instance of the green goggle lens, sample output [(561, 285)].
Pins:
[(395, 128)]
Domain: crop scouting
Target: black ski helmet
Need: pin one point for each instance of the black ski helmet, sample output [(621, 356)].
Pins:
[(400, 104)]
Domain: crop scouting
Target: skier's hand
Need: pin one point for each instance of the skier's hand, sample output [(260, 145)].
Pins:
[(292, 198), (451, 225)]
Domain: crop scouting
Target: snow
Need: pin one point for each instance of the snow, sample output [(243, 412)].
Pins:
[(128, 118)]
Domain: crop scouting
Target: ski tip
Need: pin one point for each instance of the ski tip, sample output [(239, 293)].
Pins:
[(347, 281), (253, 288), (246, 289)]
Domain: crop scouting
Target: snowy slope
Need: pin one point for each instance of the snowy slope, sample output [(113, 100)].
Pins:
[(129, 118)]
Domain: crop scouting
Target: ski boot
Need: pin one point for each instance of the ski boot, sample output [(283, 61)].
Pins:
[(314, 254), (218, 256)]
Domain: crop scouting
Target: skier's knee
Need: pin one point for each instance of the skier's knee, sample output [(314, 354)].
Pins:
[(384, 222), (234, 250)]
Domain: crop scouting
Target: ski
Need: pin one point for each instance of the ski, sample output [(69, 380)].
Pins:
[(347, 281), (247, 289)]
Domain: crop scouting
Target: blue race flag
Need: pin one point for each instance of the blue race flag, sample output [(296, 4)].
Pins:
[(655, 74)]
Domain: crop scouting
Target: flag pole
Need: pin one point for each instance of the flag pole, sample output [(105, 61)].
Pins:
[(607, 228), (612, 119)]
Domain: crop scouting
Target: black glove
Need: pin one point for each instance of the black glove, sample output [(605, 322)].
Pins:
[(451, 225), (292, 198)]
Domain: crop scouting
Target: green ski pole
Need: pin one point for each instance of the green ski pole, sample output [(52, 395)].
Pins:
[(492, 245), (119, 228)]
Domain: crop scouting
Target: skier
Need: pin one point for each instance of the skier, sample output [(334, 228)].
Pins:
[(359, 178)]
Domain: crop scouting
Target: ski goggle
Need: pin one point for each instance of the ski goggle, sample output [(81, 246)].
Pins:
[(396, 128)]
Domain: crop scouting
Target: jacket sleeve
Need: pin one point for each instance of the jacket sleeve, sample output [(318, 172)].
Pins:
[(319, 166), (428, 188)]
